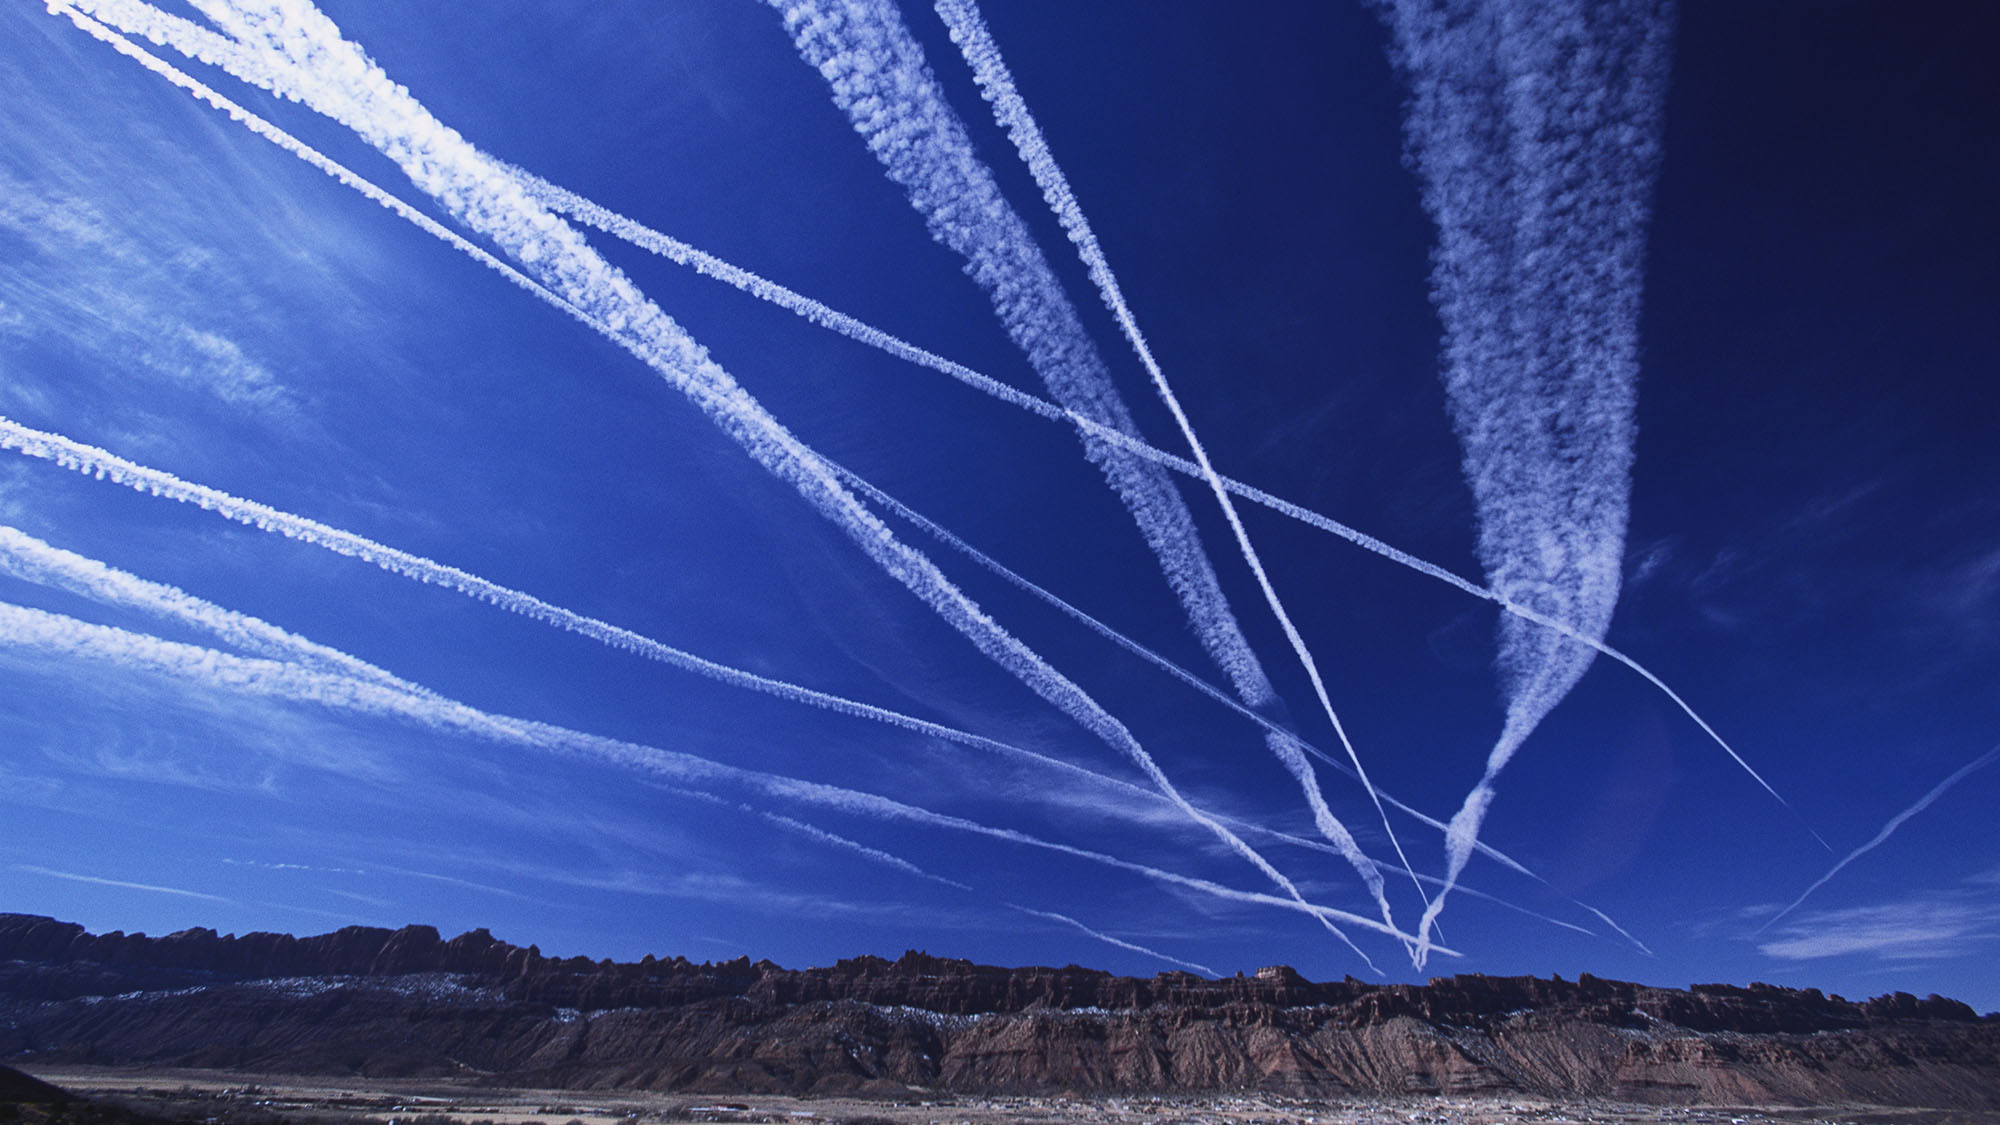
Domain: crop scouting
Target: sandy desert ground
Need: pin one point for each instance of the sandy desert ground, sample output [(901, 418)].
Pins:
[(224, 1098)]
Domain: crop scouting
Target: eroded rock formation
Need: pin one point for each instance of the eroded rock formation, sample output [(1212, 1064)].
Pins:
[(408, 1002)]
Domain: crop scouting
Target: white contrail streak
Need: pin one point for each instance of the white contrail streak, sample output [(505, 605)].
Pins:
[(1119, 942), (200, 43), (121, 884), (993, 565), (59, 635), (1533, 127), (817, 834), (32, 559), (878, 78), (314, 63), (203, 44), (104, 583), (996, 83), (877, 855), (26, 557), (592, 214), (1888, 830), (1606, 919), (92, 461)]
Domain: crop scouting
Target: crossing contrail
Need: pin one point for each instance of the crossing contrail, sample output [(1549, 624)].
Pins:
[(993, 565), (95, 462), (1119, 942), (878, 78), (207, 46), (200, 43), (34, 560), (311, 61), (47, 563), (968, 30), (1234, 487), (1888, 830), (1533, 126), (59, 635), (105, 583), (592, 214)]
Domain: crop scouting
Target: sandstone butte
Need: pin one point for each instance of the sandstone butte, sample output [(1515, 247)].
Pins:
[(365, 1001)]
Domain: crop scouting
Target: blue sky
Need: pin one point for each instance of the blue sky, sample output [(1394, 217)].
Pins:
[(1809, 559)]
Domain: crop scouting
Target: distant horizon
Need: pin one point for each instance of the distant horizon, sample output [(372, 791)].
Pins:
[(1576, 977)]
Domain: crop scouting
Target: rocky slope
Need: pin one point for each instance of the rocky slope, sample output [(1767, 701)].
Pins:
[(408, 1002)]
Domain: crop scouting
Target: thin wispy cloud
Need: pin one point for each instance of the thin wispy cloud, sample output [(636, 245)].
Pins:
[(1925, 927), (120, 884), (115, 299)]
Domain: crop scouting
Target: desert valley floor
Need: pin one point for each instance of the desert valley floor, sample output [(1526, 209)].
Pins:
[(226, 1098)]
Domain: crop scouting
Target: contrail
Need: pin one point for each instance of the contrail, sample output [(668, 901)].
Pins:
[(968, 30), (26, 557), (1119, 942), (1622, 932), (878, 78), (335, 78), (817, 834), (568, 202), (59, 635), (94, 579), (1000, 569), (35, 560), (201, 43), (205, 45), (92, 461), (1888, 830), (267, 79), (1533, 126), (887, 859), (646, 238), (120, 883)]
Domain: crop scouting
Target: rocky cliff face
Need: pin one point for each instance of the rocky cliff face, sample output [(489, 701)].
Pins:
[(408, 1002)]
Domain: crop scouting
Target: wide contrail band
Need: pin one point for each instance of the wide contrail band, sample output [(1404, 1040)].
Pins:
[(1533, 127)]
